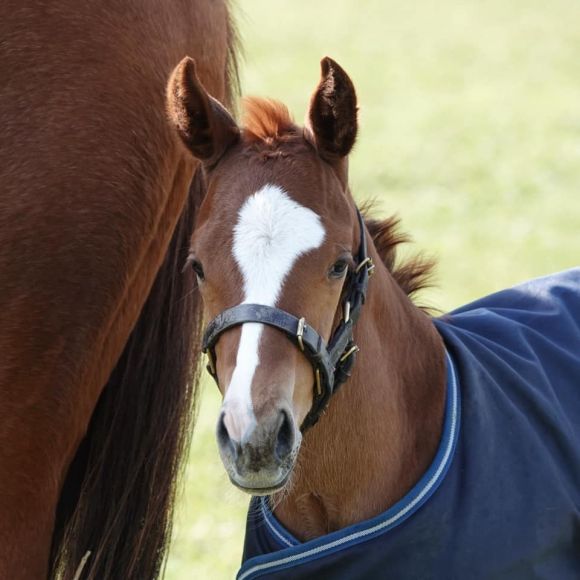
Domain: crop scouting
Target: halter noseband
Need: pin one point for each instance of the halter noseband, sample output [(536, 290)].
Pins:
[(332, 363)]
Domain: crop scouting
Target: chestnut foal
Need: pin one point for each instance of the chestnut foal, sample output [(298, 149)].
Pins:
[(283, 260)]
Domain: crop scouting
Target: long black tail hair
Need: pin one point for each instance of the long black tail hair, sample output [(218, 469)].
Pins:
[(117, 500)]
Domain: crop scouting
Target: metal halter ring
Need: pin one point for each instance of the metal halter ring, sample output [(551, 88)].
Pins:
[(370, 268)]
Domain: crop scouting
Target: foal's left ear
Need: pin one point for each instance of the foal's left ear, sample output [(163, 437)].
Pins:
[(204, 125), (333, 112)]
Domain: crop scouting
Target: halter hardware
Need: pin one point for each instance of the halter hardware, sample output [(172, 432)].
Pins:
[(332, 363), (353, 350), (368, 261), (300, 333), (318, 384), (346, 314)]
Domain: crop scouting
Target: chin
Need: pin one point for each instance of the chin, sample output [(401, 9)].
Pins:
[(260, 486)]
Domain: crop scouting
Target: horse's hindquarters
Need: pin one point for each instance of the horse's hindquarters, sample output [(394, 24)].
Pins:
[(92, 186)]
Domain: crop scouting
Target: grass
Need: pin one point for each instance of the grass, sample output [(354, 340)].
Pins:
[(470, 130)]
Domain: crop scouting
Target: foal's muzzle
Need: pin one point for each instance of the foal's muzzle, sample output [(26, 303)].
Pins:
[(261, 460)]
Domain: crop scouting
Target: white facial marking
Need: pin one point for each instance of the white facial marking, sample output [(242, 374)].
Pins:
[(272, 232)]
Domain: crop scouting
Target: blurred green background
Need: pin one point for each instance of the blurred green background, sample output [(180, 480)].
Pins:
[(470, 130)]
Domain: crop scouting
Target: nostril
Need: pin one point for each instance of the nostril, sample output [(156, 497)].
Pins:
[(223, 437), (222, 431), (285, 437)]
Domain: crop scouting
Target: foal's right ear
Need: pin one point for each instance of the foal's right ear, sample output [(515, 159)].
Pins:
[(202, 122)]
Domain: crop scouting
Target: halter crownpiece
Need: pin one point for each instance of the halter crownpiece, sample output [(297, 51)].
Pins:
[(332, 363)]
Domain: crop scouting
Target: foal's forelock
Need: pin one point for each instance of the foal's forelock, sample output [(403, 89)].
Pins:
[(272, 232)]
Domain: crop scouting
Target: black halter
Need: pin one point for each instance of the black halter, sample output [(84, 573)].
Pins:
[(332, 363)]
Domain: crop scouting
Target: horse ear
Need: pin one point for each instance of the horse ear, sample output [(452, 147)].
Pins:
[(204, 125), (333, 112)]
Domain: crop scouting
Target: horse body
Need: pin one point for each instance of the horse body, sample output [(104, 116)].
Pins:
[(375, 488), (93, 186), (292, 216)]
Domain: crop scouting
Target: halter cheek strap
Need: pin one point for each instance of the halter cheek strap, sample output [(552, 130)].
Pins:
[(332, 363)]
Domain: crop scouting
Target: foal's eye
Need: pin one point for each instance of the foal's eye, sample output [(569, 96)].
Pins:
[(338, 269), (198, 269)]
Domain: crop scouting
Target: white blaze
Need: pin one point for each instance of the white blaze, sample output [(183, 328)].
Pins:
[(272, 232)]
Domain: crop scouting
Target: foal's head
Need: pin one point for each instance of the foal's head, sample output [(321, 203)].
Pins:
[(277, 227)]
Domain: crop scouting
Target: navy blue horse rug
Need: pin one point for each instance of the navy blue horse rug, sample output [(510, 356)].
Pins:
[(501, 499)]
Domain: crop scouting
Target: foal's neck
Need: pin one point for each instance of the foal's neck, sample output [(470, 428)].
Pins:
[(382, 429)]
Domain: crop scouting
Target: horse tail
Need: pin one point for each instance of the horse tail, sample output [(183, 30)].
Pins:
[(118, 497), (233, 89)]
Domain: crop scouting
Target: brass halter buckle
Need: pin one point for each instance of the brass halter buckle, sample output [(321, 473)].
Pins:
[(300, 333)]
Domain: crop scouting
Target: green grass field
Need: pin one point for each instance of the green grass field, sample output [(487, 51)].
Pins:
[(470, 130)]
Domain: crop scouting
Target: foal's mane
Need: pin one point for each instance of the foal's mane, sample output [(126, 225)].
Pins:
[(412, 274), (269, 122)]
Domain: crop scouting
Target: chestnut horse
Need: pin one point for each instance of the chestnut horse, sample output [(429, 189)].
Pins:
[(97, 323), (283, 260)]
